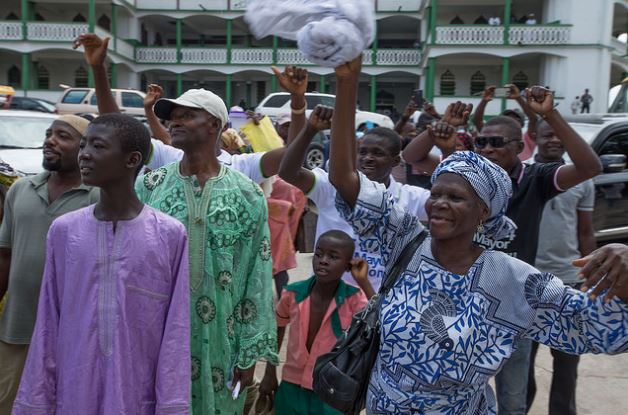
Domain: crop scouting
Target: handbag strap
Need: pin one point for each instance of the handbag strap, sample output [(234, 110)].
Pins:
[(401, 263)]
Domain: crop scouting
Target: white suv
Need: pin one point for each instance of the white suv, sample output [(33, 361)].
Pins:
[(78, 100), (279, 103)]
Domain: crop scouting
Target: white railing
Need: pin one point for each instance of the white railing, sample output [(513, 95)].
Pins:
[(156, 4), (252, 56), (203, 55), (367, 57), (291, 57), (539, 35), (398, 57), (469, 35), (399, 5), (57, 32), (156, 55), (10, 31)]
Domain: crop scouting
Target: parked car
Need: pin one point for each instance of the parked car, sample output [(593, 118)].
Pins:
[(77, 100), (22, 135), (608, 136), (278, 103), (32, 104)]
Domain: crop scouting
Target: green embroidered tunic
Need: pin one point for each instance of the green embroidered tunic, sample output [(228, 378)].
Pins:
[(232, 317)]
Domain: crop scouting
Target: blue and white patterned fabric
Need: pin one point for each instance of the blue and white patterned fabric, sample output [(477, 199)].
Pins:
[(445, 335), (491, 183)]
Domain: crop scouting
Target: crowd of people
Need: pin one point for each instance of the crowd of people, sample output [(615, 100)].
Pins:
[(148, 275)]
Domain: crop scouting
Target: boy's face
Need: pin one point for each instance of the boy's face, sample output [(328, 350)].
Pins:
[(331, 259), (102, 159), (374, 158)]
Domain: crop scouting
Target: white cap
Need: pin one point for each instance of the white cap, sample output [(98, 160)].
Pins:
[(194, 98), (283, 118)]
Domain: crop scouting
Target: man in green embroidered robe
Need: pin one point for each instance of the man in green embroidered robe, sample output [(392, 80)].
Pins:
[(225, 213)]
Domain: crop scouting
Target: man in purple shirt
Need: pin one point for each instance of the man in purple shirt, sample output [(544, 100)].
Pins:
[(112, 331)]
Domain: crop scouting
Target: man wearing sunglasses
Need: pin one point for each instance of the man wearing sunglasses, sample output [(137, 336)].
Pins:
[(533, 185)]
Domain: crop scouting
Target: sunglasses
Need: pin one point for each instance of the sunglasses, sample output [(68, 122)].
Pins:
[(496, 141)]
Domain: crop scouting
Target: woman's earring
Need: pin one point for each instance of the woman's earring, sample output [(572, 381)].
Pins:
[(480, 228)]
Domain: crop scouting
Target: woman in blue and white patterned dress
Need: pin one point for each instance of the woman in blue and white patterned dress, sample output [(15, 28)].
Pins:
[(450, 321)]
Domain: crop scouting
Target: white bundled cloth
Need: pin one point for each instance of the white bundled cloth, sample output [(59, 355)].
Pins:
[(328, 32)]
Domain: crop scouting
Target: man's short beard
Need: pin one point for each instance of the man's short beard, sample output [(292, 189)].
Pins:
[(52, 166)]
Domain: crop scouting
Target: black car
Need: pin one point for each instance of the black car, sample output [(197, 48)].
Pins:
[(608, 136), (32, 104)]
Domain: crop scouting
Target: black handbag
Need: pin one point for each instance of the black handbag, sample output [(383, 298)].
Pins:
[(341, 377)]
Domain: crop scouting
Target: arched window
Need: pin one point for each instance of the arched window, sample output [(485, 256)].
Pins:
[(79, 18), (478, 83), (447, 83), (521, 80), (80, 77), (43, 77), (14, 76), (12, 16), (105, 22)]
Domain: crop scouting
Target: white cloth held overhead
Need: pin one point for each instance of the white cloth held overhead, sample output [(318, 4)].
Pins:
[(328, 32)]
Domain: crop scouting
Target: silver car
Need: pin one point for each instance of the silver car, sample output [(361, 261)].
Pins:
[(22, 135)]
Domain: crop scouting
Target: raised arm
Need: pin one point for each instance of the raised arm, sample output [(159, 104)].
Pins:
[(405, 117), (95, 51), (291, 167), (515, 94), (478, 117), (293, 80), (442, 135), (343, 173), (586, 163), (159, 131)]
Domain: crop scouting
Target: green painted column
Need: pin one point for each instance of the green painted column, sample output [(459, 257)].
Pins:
[(273, 83), (114, 75), (507, 8), (179, 40), (229, 27), (505, 77), (179, 84), (322, 85), (26, 76), (24, 13), (114, 25), (433, 12), (373, 93), (429, 79), (228, 90), (374, 48), (91, 15), (275, 46)]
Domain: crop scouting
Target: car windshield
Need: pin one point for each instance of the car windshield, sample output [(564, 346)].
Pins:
[(23, 132), (48, 105), (587, 131)]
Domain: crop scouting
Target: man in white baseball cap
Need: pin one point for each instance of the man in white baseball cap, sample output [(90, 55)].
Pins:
[(225, 214)]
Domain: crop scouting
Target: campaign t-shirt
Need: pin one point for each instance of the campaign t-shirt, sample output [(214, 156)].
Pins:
[(323, 194), (533, 185)]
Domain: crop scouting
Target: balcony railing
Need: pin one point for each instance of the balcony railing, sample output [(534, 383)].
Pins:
[(241, 5), (469, 35), (252, 56), (203, 55), (55, 32), (156, 55), (11, 30), (539, 35), (398, 57)]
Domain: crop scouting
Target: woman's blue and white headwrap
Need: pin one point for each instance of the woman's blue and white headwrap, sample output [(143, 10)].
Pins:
[(491, 183)]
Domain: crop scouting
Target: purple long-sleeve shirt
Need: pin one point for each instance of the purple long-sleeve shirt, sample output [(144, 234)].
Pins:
[(112, 333)]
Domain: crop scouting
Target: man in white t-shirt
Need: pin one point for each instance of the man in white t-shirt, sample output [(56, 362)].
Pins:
[(377, 155)]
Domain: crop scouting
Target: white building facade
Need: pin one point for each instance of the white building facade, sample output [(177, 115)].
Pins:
[(445, 47)]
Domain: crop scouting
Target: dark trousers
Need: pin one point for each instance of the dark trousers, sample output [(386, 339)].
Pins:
[(585, 107), (281, 280), (562, 400)]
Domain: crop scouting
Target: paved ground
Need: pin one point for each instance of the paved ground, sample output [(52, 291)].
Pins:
[(602, 385)]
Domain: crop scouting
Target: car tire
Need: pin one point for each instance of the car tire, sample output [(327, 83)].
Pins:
[(314, 157)]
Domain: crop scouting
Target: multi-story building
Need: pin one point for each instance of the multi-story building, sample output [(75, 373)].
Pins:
[(446, 47)]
